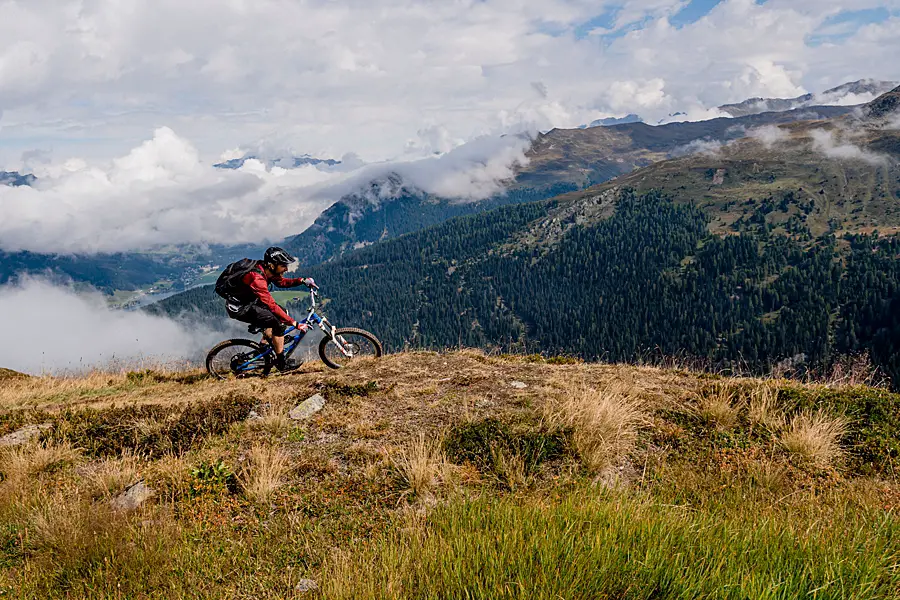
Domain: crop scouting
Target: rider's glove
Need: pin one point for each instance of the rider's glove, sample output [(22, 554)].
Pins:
[(310, 283), (301, 326)]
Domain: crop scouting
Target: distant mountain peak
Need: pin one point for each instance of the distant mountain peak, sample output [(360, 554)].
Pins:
[(609, 121), (883, 105), (835, 95), (285, 162), (16, 179)]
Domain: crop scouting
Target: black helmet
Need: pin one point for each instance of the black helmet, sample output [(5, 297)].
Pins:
[(278, 256)]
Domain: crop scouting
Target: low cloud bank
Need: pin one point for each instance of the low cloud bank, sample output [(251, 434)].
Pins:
[(839, 148), (161, 193), (49, 329), (769, 135)]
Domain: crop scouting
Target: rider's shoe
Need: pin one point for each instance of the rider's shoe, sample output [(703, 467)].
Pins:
[(283, 365)]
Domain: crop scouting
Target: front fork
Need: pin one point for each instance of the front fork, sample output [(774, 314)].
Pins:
[(328, 329)]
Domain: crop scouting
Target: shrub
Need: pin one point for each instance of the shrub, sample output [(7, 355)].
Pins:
[(210, 477), (150, 429)]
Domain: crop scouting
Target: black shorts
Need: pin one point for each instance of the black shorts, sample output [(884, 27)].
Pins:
[(260, 316)]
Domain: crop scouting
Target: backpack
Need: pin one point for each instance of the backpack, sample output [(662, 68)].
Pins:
[(229, 285)]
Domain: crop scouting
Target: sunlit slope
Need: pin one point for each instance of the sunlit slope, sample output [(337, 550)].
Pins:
[(445, 475)]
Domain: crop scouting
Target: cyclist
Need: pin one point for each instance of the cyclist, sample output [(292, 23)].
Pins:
[(256, 306)]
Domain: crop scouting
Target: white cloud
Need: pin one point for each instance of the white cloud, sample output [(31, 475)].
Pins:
[(711, 147), (835, 145), (162, 193), (327, 78), (86, 333), (769, 135)]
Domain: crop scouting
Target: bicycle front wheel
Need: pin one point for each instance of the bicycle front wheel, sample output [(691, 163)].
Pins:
[(241, 358), (352, 344)]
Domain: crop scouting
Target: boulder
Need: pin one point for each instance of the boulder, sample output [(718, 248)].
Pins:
[(135, 495), (23, 435), (307, 408), (306, 585)]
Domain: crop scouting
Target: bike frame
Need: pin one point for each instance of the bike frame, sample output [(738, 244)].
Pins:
[(312, 318)]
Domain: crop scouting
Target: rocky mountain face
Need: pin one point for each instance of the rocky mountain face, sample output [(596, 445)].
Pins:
[(836, 95), (885, 106)]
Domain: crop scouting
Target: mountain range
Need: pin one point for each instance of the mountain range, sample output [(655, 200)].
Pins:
[(762, 249), (560, 161), (836, 95), (289, 162)]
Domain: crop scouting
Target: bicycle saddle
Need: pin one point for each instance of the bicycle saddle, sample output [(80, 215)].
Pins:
[(254, 329)]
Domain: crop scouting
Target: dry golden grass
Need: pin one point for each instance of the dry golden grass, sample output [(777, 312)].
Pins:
[(815, 437), (604, 422), (421, 466), (170, 476), (265, 472), (110, 477), (509, 468), (28, 460), (763, 408), (718, 406)]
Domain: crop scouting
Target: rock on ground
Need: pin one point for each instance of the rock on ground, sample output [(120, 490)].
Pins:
[(133, 497), (24, 435), (306, 585), (307, 408)]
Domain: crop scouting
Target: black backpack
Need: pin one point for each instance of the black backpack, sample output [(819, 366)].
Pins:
[(229, 285)]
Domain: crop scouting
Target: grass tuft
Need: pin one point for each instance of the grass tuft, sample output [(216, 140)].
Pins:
[(265, 472), (717, 407), (815, 437), (28, 460), (421, 466), (604, 423), (764, 410)]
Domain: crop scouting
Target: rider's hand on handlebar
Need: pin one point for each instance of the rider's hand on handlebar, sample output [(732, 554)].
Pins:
[(301, 326), (310, 283)]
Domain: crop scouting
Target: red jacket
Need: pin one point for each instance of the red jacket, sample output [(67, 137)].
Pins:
[(257, 281)]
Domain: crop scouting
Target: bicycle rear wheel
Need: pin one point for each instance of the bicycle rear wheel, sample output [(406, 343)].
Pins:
[(358, 343), (241, 358)]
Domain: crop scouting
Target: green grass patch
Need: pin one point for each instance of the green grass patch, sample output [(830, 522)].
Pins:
[(621, 547), (490, 444)]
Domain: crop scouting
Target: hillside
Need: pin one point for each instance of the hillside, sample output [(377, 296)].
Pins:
[(449, 475), (617, 275), (559, 161)]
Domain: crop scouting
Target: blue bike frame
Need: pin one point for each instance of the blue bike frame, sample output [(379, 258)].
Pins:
[(312, 318)]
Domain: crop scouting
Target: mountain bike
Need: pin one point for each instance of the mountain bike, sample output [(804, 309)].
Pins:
[(339, 346)]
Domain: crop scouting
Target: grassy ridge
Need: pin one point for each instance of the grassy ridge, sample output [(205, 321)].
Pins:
[(456, 475)]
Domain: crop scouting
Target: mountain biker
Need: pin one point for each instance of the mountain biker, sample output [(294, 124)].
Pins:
[(257, 307)]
